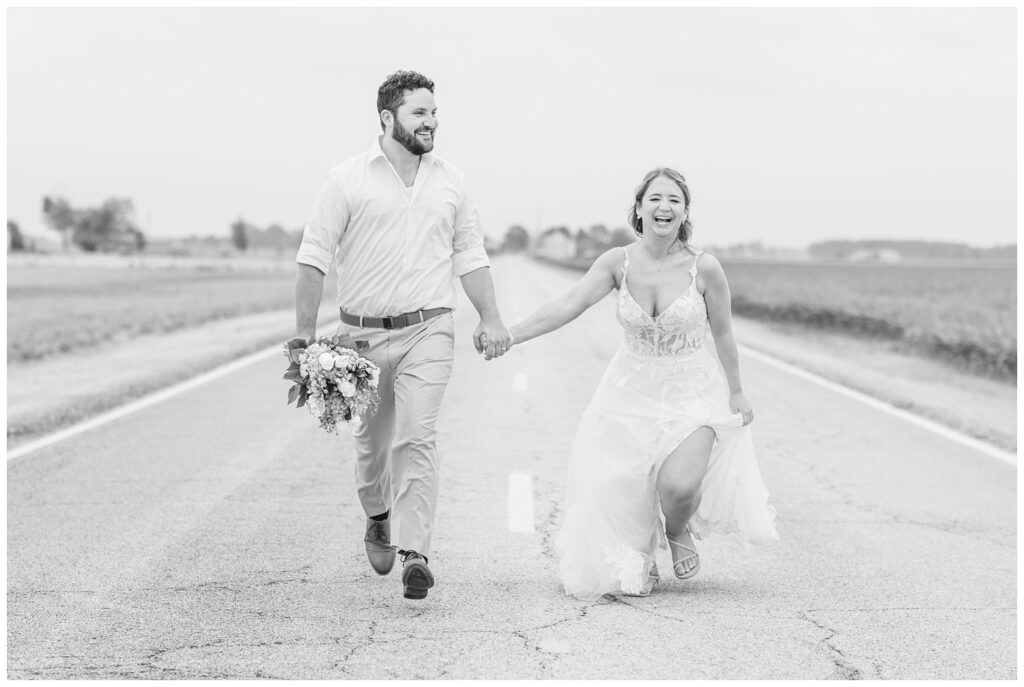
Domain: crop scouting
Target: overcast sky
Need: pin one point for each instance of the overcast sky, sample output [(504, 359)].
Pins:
[(791, 125)]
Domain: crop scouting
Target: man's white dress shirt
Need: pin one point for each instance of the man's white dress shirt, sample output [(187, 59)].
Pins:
[(396, 249)]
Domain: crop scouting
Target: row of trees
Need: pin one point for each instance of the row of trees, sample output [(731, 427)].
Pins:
[(108, 228), (561, 242), (111, 227), (926, 250), (245, 237)]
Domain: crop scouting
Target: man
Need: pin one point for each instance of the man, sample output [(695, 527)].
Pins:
[(398, 225)]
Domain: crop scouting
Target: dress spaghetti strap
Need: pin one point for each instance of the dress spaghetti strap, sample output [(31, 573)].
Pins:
[(693, 268)]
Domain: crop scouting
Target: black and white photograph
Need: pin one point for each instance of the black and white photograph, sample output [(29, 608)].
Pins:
[(423, 343)]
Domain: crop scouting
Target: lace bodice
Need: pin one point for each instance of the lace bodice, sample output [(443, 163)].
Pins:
[(679, 330)]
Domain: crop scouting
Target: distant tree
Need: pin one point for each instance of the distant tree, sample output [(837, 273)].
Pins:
[(15, 240), (106, 226), (564, 230), (1006, 253), (917, 249), (239, 235), (516, 239), (139, 238), (492, 246), (61, 217), (277, 238), (591, 243), (621, 237)]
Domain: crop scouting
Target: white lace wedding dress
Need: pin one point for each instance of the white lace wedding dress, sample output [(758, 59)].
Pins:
[(661, 385)]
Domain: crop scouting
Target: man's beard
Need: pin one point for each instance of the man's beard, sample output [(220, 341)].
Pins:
[(409, 141)]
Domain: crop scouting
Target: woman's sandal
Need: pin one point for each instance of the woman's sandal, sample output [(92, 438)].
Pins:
[(652, 579), (677, 563), (649, 584)]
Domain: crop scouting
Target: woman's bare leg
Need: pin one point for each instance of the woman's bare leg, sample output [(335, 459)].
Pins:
[(679, 486)]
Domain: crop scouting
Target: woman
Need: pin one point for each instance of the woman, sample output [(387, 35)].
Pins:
[(666, 428)]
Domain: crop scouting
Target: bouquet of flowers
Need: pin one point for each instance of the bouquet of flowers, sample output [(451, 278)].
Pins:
[(335, 383)]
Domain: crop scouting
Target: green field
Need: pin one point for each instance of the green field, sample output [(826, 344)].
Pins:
[(963, 314), (56, 310)]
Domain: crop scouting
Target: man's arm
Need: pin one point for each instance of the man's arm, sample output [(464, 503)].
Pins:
[(309, 289), (320, 239), (479, 286), (471, 265)]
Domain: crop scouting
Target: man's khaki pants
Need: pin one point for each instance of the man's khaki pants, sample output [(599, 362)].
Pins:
[(396, 447)]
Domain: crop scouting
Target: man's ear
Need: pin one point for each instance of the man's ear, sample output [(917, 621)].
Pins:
[(387, 118)]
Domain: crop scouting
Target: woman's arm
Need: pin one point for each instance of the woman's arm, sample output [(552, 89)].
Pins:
[(719, 302), (592, 287)]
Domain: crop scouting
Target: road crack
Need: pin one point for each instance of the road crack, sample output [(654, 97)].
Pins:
[(842, 667)]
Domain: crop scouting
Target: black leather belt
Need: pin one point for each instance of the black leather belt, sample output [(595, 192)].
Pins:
[(394, 322)]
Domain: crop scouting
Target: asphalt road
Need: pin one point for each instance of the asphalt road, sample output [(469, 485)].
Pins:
[(218, 535)]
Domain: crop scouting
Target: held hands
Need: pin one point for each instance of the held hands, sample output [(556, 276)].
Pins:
[(492, 339), (739, 403)]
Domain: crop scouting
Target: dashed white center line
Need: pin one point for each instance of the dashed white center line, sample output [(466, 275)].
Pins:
[(520, 502)]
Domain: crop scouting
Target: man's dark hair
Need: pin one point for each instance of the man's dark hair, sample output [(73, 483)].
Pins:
[(392, 92)]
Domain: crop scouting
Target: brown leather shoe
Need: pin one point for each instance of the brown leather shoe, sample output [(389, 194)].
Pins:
[(378, 545), (416, 576)]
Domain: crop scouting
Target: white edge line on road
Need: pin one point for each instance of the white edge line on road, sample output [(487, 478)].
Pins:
[(951, 434), (520, 502), (151, 399), (146, 401)]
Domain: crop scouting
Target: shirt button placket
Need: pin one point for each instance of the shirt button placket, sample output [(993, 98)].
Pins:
[(406, 257)]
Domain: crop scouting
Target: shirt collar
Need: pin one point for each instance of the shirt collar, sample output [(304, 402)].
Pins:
[(376, 150)]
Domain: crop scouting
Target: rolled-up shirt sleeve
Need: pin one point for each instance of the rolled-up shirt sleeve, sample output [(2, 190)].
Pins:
[(325, 226), (468, 239)]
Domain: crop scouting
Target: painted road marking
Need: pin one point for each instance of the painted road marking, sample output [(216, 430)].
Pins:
[(951, 434), (153, 398), (520, 502), (521, 382)]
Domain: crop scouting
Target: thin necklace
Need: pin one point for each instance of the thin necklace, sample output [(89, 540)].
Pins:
[(660, 264)]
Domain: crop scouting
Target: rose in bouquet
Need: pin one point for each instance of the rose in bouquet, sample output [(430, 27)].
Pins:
[(335, 383)]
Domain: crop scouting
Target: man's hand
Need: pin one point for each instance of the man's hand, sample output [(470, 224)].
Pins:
[(300, 341), (492, 338)]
